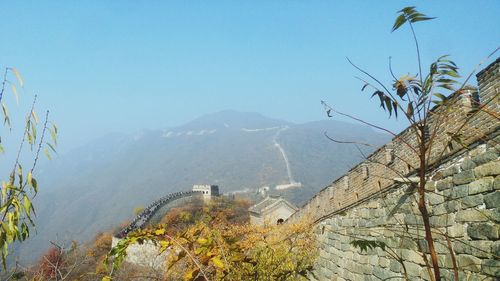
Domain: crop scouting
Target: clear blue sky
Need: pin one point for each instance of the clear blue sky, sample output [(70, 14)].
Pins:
[(122, 66)]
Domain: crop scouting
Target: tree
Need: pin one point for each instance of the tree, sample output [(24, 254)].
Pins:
[(429, 103), (220, 246), (16, 208)]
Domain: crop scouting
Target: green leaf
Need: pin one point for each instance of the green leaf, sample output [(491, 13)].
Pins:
[(34, 184), (440, 96), (387, 101), (53, 134), (408, 10), (27, 205), (6, 115), (416, 19), (51, 147), (400, 20), (364, 245)]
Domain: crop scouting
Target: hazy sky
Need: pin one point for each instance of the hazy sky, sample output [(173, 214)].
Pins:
[(121, 66)]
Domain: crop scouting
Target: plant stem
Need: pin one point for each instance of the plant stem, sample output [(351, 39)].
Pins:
[(423, 208)]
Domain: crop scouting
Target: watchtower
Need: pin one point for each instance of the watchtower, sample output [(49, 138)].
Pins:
[(207, 190)]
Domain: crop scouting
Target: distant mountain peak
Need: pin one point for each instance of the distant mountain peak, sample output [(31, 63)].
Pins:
[(231, 119)]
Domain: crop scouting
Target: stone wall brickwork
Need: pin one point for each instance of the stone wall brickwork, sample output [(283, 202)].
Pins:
[(463, 194), (464, 205)]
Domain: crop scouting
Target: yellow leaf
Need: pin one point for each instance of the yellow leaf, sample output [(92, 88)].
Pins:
[(14, 91), (202, 241), (164, 245), (30, 178), (33, 113), (160, 231), (18, 77), (106, 278), (190, 274), (218, 263)]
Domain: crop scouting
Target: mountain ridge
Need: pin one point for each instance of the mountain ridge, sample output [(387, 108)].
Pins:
[(95, 187)]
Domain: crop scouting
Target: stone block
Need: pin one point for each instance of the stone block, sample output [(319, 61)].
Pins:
[(453, 206), (424, 274), (444, 184), (469, 262), (395, 266), (384, 274), (472, 201), (496, 184), (454, 169), (413, 220), (444, 261), (413, 256), (430, 186), (483, 231), (481, 185), (468, 164), (471, 215), (464, 177), (364, 259), (456, 192), (484, 158), (495, 248), (435, 199), (449, 274), (412, 269), (383, 262), (492, 200), (493, 214), (442, 220), (488, 169), (456, 230), (491, 267), (439, 210), (373, 205), (479, 248)]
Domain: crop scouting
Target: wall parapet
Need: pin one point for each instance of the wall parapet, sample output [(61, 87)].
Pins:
[(378, 172)]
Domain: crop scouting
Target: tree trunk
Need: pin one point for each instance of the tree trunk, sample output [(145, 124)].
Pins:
[(423, 210)]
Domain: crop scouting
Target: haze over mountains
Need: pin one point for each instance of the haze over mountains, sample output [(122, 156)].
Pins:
[(95, 187)]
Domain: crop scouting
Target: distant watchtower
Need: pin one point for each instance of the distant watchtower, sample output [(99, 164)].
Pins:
[(208, 190)]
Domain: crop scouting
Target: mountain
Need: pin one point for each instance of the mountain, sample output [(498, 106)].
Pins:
[(96, 187)]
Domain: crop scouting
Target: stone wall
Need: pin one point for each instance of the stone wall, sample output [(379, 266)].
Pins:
[(370, 203), (464, 205)]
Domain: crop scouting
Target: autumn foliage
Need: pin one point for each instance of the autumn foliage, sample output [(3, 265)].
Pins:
[(216, 242), (50, 261)]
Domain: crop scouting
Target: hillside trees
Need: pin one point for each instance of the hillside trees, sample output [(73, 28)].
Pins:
[(430, 104), (219, 244), (20, 185)]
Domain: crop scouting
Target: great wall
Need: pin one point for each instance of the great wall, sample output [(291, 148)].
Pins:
[(370, 202)]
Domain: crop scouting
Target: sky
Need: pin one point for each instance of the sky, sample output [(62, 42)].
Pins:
[(124, 66)]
